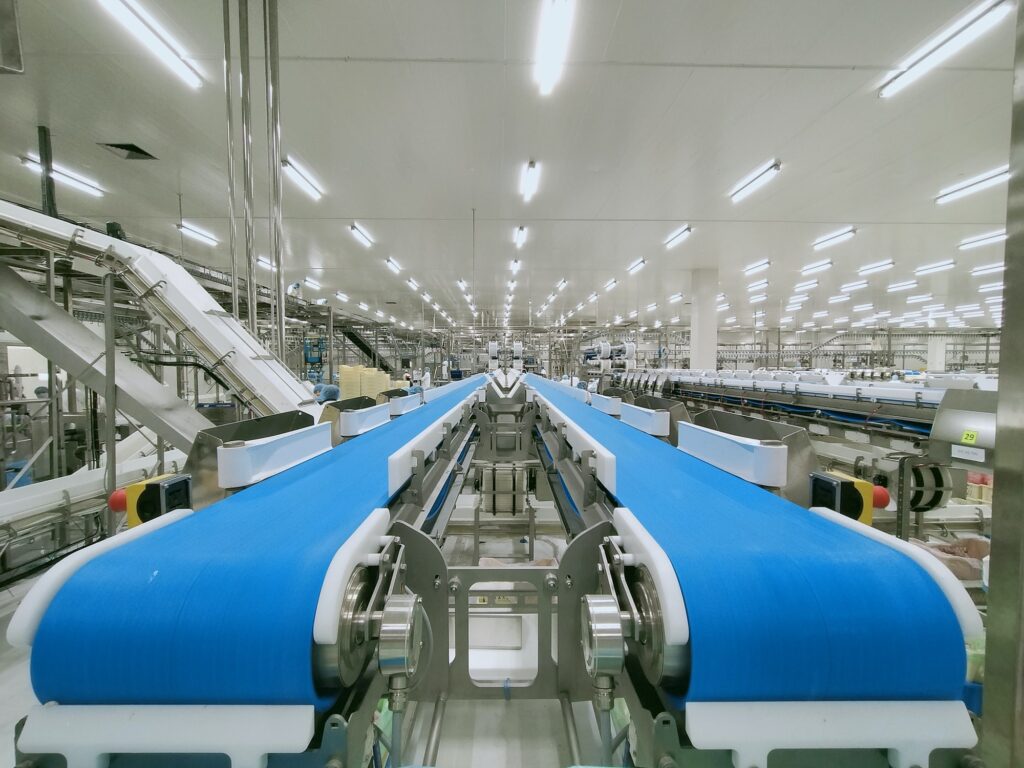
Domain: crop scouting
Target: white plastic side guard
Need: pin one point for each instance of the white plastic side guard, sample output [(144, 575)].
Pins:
[(363, 543), (645, 419), (749, 459), (21, 632), (400, 462), (963, 606), (354, 423), (604, 460), (610, 405), (88, 735), (401, 405), (256, 460), (909, 730), (638, 542)]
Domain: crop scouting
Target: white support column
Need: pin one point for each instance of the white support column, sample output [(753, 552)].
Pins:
[(936, 354), (703, 319)]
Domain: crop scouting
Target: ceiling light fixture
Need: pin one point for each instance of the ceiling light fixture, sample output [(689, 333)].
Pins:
[(515, 266), (426, 297), (610, 284), (65, 176), (463, 285), (191, 230), (529, 180), (636, 266), (154, 38), (552, 46), (988, 269), (757, 285), (989, 287), (592, 297), (342, 297), (755, 180), (652, 306), (816, 267), (675, 298), (938, 266), (360, 234), (834, 238), (856, 285), (973, 184), (266, 263), (806, 286), (878, 266), (838, 299), (519, 236), (919, 299), (302, 178), (412, 284), (309, 281), (363, 306), (988, 238), (722, 307), (560, 285), (863, 308), (758, 298), (678, 236), (950, 41), (904, 285), (393, 265), (757, 266)]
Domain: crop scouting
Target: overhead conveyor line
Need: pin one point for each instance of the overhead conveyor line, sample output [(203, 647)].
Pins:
[(220, 606), (782, 604)]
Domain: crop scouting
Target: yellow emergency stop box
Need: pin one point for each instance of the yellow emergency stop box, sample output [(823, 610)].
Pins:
[(155, 496), (848, 495)]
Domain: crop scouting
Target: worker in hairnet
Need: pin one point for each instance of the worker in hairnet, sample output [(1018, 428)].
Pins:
[(328, 393)]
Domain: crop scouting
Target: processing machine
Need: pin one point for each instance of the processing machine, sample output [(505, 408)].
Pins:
[(334, 569)]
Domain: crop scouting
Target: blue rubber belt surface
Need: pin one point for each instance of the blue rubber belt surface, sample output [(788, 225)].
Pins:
[(219, 607), (783, 605)]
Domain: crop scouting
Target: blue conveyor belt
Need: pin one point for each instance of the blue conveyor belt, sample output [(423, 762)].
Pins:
[(219, 607), (783, 605)]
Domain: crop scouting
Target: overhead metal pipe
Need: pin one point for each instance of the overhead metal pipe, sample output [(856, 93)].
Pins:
[(245, 86), (231, 158), (274, 148)]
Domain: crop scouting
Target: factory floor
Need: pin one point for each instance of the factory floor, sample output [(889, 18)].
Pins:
[(14, 675)]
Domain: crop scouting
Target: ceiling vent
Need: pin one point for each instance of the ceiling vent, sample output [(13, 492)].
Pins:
[(128, 151)]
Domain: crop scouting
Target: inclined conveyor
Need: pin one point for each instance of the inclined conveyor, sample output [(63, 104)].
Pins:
[(219, 606)]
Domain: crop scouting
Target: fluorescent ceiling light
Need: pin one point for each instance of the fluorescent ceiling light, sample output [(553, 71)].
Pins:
[(878, 266), (360, 234), (947, 43), (988, 238), (636, 266), (810, 324), (678, 236), (730, 320), (755, 180), (363, 306), (393, 265), (580, 305), (798, 298), (856, 285), (552, 46), (519, 236), (974, 184), (994, 300), (657, 323), (515, 266), (838, 299), (905, 285), (632, 314), (793, 307), (757, 285), (303, 179), (412, 284), (806, 286), (472, 308), (426, 297), (342, 297), (311, 283), (463, 285), (816, 267), (863, 308), (560, 285), (675, 298), (972, 314), (512, 285), (550, 298), (610, 284), (967, 307), (652, 306), (266, 263), (64, 176), (834, 238), (529, 180), (821, 313), (840, 321), (320, 302), (758, 298), (989, 287), (468, 297), (722, 307), (919, 299), (757, 266), (191, 230), (938, 266), (378, 313), (988, 269), (154, 38), (592, 297), (785, 320)]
